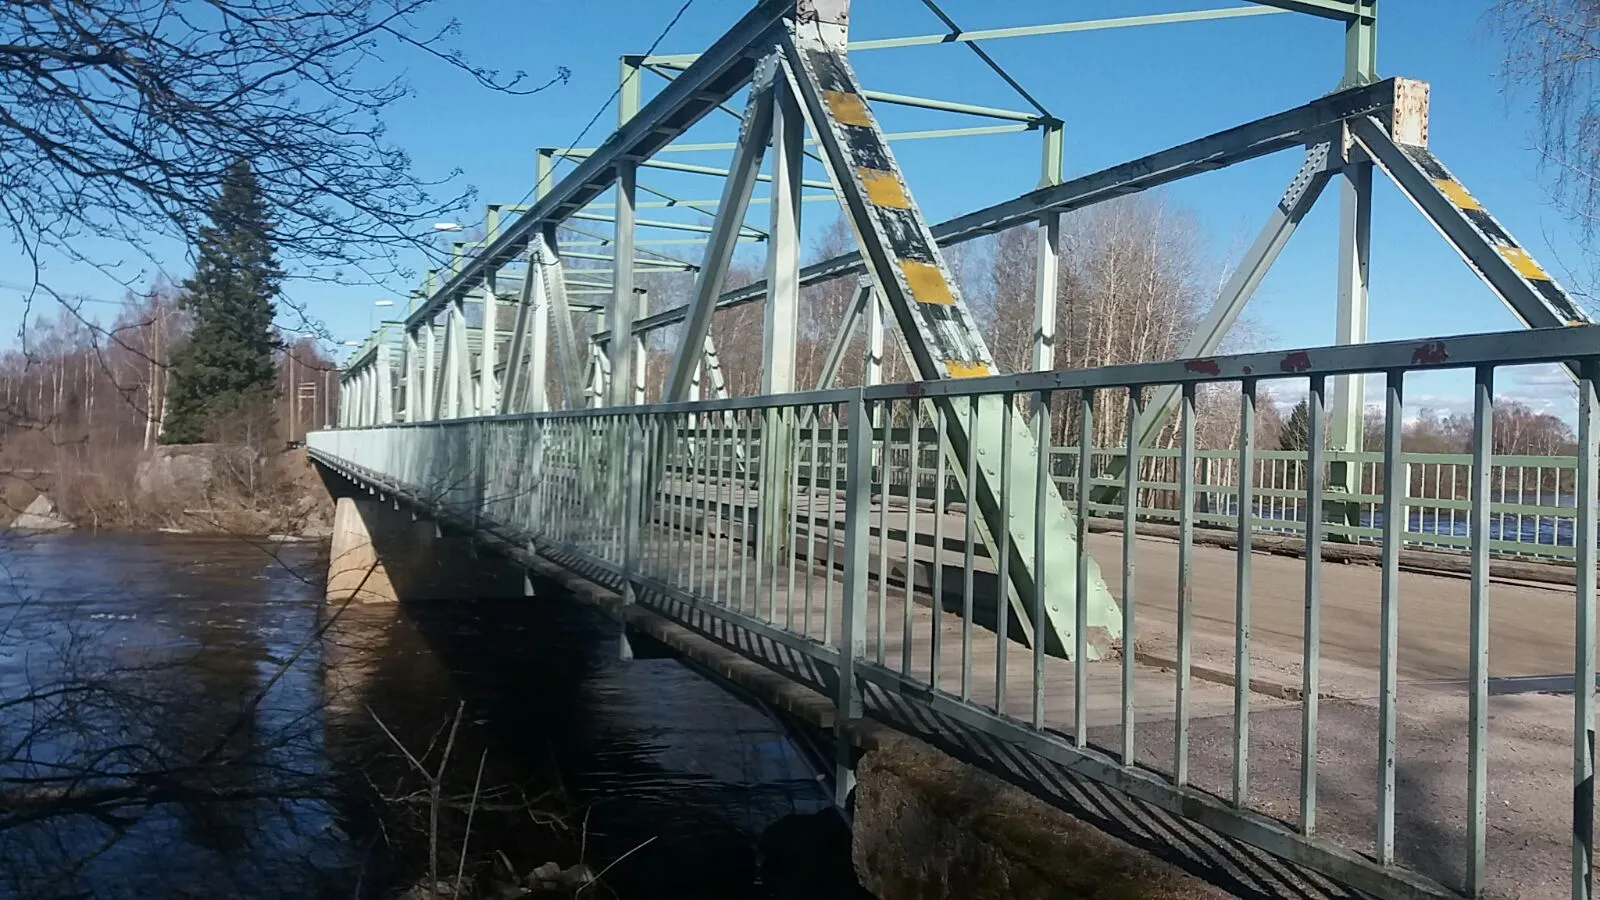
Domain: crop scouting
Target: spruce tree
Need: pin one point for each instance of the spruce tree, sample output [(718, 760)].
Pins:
[(1295, 434), (227, 368)]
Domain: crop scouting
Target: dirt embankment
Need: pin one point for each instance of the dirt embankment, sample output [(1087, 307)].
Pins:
[(202, 488)]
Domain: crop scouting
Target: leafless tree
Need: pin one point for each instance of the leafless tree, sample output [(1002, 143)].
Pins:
[(118, 117), (1553, 50)]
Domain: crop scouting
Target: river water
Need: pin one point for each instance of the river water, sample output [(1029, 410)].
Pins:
[(174, 723)]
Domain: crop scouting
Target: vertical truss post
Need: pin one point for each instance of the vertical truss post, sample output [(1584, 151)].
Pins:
[(623, 303), (413, 367), (1361, 46), (598, 375), (1349, 391), (488, 389), (384, 383), (712, 374), (628, 84), (1355, 238), (1047, 271), (754, 131), (536, 381), (357, 397), (641, 355), (781, 323), (873, 371), (944, 341), (1298, 198), (430, 372)]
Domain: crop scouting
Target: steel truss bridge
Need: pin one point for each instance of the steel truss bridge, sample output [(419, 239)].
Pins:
[(935, 540)]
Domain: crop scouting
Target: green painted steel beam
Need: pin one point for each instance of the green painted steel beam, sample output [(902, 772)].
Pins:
[(1343, 10), (694, 169), (1057, 611), (710, 206), (991, 34), (970, 109), (606, 257), (670, 226), (894, 136)]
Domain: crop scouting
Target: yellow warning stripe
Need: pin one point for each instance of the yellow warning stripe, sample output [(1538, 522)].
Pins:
[(963, 369), (848, 108), (926, 283), (1523, 263), (1457, 193), (883, 188)]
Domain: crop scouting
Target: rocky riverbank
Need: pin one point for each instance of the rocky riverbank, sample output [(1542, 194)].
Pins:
[(192, 489)]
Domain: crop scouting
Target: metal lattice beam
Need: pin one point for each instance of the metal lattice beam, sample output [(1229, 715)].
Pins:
[(1281, 131)]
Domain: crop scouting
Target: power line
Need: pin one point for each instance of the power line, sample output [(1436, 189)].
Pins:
[(603, 107)]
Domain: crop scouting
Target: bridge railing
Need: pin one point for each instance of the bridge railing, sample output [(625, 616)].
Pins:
[(833, 525), (1531, 497)]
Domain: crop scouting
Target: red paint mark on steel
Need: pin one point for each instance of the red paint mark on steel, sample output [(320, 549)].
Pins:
[(1298, 361), (914, 389), (1430, 354), (1203, 366)]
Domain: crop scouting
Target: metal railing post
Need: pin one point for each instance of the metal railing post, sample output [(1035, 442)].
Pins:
[(853, 641), (635, 447)]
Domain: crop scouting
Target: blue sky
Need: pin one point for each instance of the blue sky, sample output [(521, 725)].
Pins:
[(1122, 94)]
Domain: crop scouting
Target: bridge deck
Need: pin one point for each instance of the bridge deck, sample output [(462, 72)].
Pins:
[(1530, 634)]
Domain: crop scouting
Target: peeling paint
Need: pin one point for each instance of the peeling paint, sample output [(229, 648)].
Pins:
[(1298, 361), (1203, 366), (1430, 354)]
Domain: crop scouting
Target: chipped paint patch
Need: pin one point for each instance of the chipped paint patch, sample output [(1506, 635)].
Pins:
[(1457, 193), (1430, 354), (1523, 263), (963, 369), (1203, 367), (847, 108), (1298, 361), (926, 283), (883, 189)]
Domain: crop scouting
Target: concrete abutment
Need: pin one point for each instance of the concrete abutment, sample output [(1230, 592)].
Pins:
[(382, 553)]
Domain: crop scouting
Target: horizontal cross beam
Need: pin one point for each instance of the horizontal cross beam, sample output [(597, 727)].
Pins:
[(1280, 131)]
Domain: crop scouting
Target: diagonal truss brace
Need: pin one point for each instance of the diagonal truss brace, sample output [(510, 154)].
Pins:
[(1509, 270), (754, 132), (546, 259), (944, 341), (526, 370), (1298, 198)]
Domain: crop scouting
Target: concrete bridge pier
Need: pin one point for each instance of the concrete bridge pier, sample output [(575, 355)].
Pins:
[(356, 573), (383, 553)]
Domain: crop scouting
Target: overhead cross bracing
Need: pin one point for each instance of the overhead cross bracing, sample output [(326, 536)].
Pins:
[(810, 133)]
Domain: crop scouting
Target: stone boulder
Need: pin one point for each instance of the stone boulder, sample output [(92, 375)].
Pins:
[(41, 515), (191, 470)]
